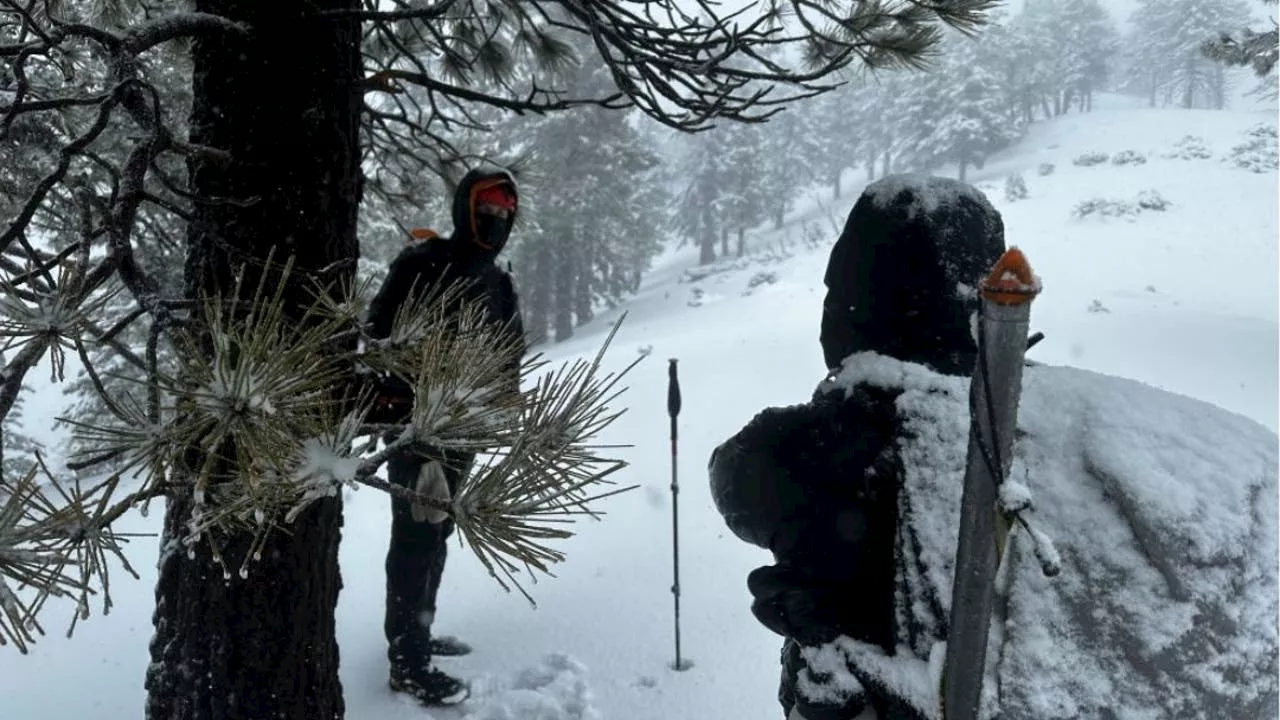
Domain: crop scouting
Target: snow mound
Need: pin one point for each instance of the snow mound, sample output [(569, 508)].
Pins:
[(554, 690), (1164, 512)]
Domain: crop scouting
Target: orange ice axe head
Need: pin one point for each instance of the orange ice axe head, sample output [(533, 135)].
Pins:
[(1011, 281)]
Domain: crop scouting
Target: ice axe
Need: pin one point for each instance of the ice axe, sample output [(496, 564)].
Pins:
[(994, 394)]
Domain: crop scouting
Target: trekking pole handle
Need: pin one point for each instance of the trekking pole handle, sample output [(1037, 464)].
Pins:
[(673, 390)]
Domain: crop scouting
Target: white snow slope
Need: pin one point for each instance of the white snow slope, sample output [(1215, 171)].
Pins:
[(1184, 299)]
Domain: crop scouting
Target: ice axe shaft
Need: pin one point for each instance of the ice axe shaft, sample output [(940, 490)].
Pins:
[(673, 410), (994, 394)]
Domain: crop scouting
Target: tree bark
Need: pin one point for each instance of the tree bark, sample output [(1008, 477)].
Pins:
[(263, 646), (742, 242)]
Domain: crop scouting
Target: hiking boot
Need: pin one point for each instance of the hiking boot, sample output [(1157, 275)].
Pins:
[(448, 646), (428, 686)]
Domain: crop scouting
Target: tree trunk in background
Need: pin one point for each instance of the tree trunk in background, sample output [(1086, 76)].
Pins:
[(707, 241), (536, 300), (1219, 83), (562, 289), (583, 295), (227, 648), (742, 242), (1189, 86)]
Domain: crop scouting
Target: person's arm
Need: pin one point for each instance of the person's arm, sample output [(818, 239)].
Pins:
[(514, 325), (393, 293), (753, 491)]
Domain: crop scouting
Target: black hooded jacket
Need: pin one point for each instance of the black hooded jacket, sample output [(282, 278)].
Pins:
[(467, 257), (817, 484)]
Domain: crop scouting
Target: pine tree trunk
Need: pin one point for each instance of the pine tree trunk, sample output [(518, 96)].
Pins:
[(742, 242), (707, 240), (724, 241), (888, 164), (227, 648), (562, 291), (779, 215), (871, 166), (1044, 103), (583, 294), (835, 184), (537, 298), (1219, 81), (1189, 87), (964, 167)]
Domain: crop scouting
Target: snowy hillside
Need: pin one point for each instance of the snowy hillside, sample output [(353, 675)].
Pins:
[(1184, 298)]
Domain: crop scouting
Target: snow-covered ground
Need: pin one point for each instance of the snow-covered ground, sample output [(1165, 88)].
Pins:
[(1184, 299)]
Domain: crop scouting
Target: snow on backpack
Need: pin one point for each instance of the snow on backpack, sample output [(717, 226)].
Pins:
[(1163, 510)]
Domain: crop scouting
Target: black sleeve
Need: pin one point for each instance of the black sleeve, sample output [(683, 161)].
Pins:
[(755, 493), (394, 291), (515, 323)]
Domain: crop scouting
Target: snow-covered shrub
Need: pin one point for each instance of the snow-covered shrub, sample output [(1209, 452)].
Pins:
[(1128, 157), (1258, 153), (814, 236), (1015, 188), (1152, 200), (1190, 147), (1105, 207), (1091, 158), (764, 277), (1045, 169), (1111, 207)]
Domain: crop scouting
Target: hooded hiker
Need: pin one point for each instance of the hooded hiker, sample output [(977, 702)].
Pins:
[(484, 209), (1163, 508)]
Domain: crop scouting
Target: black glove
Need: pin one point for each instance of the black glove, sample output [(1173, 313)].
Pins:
[(795, 702), (789, 602), (392, 403)]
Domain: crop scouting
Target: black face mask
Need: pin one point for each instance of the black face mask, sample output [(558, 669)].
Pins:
[(492, 232)]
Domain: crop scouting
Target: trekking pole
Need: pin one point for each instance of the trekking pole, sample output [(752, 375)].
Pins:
[(673, 409)]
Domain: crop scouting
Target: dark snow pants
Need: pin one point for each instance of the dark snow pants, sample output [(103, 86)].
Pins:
[(415, 561)]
